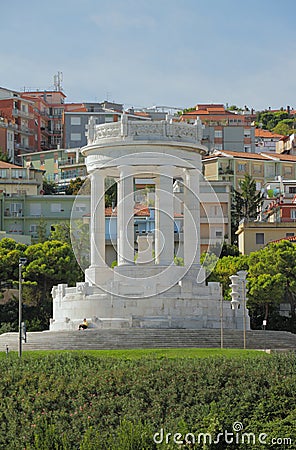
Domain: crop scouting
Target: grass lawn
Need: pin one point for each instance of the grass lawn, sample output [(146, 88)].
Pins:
[(173, 353)]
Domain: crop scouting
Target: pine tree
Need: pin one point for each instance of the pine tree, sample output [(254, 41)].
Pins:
[(246, 202)]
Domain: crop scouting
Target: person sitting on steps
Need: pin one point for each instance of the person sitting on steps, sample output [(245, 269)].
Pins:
[(83, 325)]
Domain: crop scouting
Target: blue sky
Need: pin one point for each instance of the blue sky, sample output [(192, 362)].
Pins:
[(153, 52)]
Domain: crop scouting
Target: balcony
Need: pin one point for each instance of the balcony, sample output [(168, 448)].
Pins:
[(71, 162), (19, 113)]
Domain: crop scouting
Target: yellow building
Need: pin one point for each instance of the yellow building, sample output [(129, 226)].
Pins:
[(254, 235), (263, 167), (16, 180)]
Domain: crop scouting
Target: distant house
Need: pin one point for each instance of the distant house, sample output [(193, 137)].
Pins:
[(265, 140)]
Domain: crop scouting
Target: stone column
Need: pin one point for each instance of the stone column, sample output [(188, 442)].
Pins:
[(164, 217), (97, 223), (191, 231), (125, 216)]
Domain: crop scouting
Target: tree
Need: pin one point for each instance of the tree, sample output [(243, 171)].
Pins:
[(246, 202), (74, 186), (4, 157), (272, 278), (227, 266), (268, 119), (110, 192), (285, 127), (49, 187), (61, 232), (10, 252)]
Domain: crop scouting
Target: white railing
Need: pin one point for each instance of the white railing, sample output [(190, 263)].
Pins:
[(137, 130)]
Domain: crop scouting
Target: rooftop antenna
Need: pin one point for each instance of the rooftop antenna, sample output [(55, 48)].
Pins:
[(57, 81)]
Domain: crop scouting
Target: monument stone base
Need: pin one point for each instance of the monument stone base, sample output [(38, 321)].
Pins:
[(175, 300)]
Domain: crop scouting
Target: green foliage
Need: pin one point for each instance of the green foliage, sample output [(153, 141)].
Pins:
[(49, 263), (49, 187), (41, 230), (4, 157), (74, 186), (78, 401), (110, 192), (285, 127), (272, 272), (269, 120), (61, 232), (246, 202)]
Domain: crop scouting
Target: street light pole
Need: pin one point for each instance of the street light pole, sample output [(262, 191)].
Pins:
[(22, 262), (20, 311), (243, 277)]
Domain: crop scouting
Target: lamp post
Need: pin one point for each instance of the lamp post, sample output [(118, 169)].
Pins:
[(242, 274), (234, 296), (22, 262)]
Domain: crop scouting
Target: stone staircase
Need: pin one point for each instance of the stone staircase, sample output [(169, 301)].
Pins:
[(133, 338)]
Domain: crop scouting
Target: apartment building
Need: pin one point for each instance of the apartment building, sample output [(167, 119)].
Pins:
[(287, 144), (76, 120), (263, 167), (22, 215), (18, 126), (50, 105), (17, 180), (223, 129), (266, 141)]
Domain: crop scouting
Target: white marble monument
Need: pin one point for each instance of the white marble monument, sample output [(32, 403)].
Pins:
[(148, 290)]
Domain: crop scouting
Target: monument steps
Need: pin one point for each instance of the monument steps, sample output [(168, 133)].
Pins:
[(133, 338)]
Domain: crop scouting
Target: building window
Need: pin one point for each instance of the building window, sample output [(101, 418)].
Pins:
[(3, 173), (242, 167), (75, 120), (293, 214), (287, 170), (75, 136), (218, 146), (270, 171), (35, 209), (16, 173), (218, 233), (218, 133), (81, 207), (16, 209), (33, 228), (289, 234), (247, 149), (257, 168), (258, 185), (292, 189), (55, 207), (260, 238), (247, 133)]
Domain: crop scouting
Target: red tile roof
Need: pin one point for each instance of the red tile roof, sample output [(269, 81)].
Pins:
[(6, 165), (266, 156), (139, 211), (266, 134)]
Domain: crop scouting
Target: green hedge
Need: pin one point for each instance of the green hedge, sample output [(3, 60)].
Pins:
[(79, 401)]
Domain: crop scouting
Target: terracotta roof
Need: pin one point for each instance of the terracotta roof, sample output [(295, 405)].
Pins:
[(266, 156), (227, 153), (266, 134), (287, 238), (139, 211), (6, 165), (280, 156), (141, 113)]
